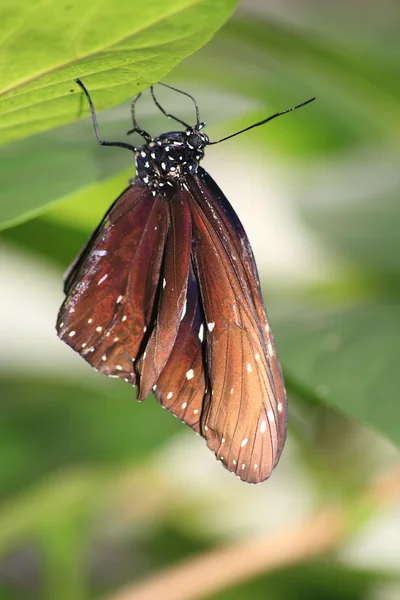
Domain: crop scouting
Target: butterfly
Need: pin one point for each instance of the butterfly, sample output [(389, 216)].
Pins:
[(166, 295)]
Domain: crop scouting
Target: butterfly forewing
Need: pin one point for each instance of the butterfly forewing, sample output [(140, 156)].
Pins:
[(113, 284), (240, 420), (240, 249)]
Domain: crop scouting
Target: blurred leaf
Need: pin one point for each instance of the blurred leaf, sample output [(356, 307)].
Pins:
[(154, 549), (372, 85), (56, 242), (47, 425), (68, 495), (312, 581), (118, 51), (50, 166), (348, 360), (365, 231), (84, 209)]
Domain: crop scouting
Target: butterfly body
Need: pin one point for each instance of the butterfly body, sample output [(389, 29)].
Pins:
[(170, 157), (166, 295)]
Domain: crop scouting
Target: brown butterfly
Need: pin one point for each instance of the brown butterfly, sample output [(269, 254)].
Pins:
[(166, 295)]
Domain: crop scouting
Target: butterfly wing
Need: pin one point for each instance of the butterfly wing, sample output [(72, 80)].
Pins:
[(172, 294), (181, 385), (244, 252), (113, 283), (241, 418)]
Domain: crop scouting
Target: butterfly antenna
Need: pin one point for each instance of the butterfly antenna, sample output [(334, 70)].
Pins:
[(228, 137)]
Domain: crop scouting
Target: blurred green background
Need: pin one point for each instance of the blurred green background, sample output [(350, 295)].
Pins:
[(98, 491)]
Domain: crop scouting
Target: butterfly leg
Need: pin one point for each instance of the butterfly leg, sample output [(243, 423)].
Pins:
[(95, 126)]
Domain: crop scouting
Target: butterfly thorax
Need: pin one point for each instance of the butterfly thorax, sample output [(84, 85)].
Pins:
[(169, 158)]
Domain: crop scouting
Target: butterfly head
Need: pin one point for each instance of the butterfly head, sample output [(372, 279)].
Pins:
[(170, 157)]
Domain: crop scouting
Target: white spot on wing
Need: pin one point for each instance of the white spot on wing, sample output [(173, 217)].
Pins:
[(118, 367), (280, 406), (270, 415), (164, 283), (244, 442), (72, 333), (190, 374), (270, 349), (184, 309), (119, 299), (90, 321), (263, 426), (249, 369), (211, 326), (100, 252), (102, 279), (196, 410), (201, 332), (169, 396), (184, 405), (99, 329)]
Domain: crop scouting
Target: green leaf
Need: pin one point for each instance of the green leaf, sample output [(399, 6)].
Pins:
[(48, 425), (116, 48), (328, 66), (365, 229), (347, 359), (308, 581), (54, 242), (51, 166)]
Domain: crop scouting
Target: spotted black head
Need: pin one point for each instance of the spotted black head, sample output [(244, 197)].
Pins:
[(169, 157)]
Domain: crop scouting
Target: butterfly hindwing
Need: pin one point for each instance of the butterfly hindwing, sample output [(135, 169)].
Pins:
[(172, 296), (181, 386)]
